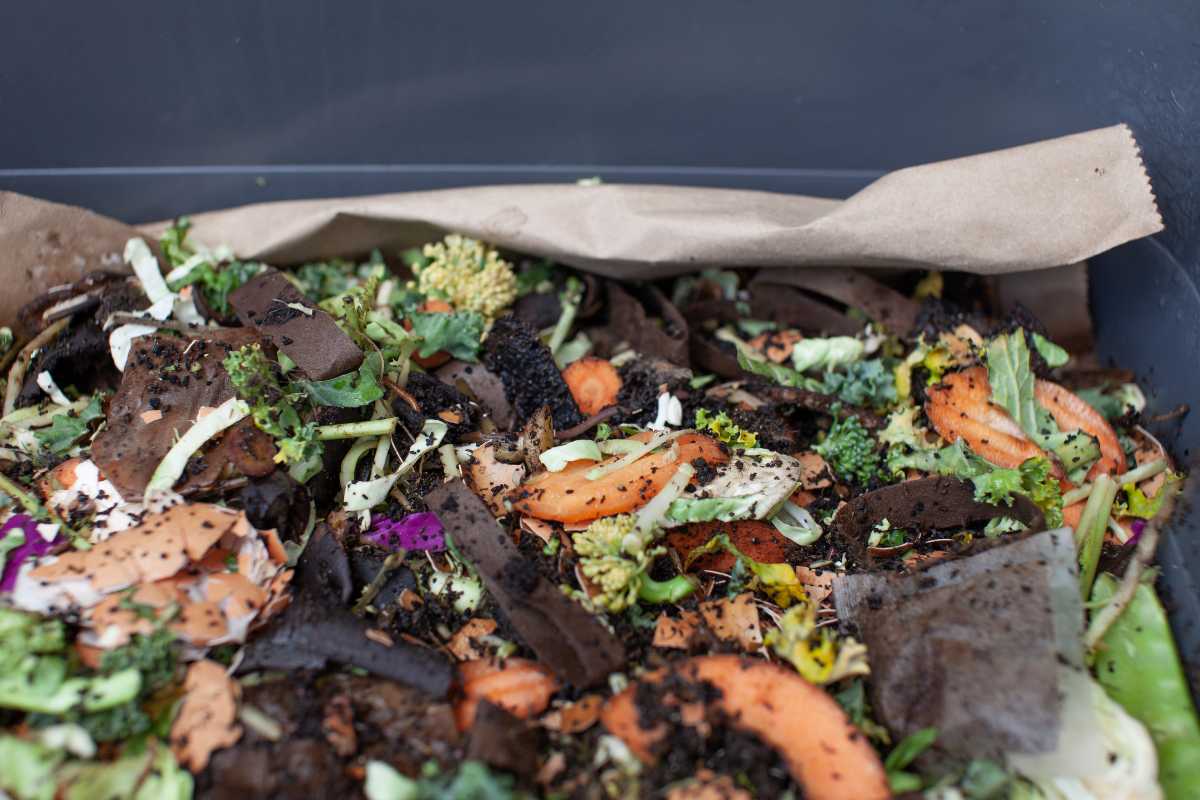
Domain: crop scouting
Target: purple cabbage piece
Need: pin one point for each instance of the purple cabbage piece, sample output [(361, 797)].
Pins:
[(1136, 527), (34, 546), (422, 531)]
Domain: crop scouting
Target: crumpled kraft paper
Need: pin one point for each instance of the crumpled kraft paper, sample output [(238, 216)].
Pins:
[(1040, 205)]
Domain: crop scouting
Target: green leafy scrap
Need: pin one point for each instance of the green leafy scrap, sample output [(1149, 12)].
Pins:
[(851, 451), (458, 334), (352, 390), (1012, 383), (1052, 354), (173, 242), (274, 409), (68, 428), (862, 383), (218, 282), (725, 429)]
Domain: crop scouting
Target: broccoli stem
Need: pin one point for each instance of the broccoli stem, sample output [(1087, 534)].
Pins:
[(671, 591)]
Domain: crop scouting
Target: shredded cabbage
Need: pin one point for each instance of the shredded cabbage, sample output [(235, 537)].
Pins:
[(823, 354), (752, 485), (796, 524), (171, 467), (1125, 768), (364, 495)]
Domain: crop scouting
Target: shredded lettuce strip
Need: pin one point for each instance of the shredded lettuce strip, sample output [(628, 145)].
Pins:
[(556, 458), (175, 461), (365, 495), (653, 443)]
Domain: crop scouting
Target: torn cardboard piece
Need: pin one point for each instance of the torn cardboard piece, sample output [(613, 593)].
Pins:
[(987, 649)]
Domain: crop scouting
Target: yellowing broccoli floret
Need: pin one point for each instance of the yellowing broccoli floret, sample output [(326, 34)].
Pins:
[(468, 274), (614, 555)]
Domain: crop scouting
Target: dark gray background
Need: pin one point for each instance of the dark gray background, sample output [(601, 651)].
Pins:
[(143, 110), (328, 98)]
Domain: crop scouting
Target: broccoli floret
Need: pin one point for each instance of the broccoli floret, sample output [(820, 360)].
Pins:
[(616, 555), (468, 274), (850, 451)]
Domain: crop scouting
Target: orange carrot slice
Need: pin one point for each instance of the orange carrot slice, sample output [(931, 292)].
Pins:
[(569, 496), (594, 384), (777, 345), (825, 753), (759, 540), (1071, 413), (959, 408), (519, 686)]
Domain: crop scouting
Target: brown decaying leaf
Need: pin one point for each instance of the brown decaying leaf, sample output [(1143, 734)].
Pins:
[(731, 619), (207, 717)]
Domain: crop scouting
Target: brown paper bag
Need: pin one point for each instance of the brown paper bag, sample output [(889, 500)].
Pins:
[(1041, 205)]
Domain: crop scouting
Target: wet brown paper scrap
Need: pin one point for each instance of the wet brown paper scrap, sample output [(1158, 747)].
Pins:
[(1032, 207)]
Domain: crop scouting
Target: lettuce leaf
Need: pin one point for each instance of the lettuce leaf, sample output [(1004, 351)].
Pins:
[(784, 376), (752, 485), (354, 389), (1012, 382), (1052, 354)]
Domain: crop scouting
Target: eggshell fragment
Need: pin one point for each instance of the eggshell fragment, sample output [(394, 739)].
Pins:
[(207, 719)]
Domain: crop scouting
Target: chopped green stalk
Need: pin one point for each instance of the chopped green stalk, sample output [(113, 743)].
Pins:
[(1089, 537), (656, 441), (1139, 668), (33, 417), (1134, 476), (27, 501), (353, 430), (570, 299)]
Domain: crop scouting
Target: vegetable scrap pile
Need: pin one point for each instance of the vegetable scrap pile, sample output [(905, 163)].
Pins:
[(457, 523)]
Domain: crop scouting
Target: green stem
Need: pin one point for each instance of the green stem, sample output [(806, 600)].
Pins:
[(10, 487), (1093, 524), (570, 306), (353, 430), (1135, 475), (661, 592)]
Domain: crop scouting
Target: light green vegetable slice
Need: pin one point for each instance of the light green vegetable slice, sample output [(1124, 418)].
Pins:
[(1139, 667)]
